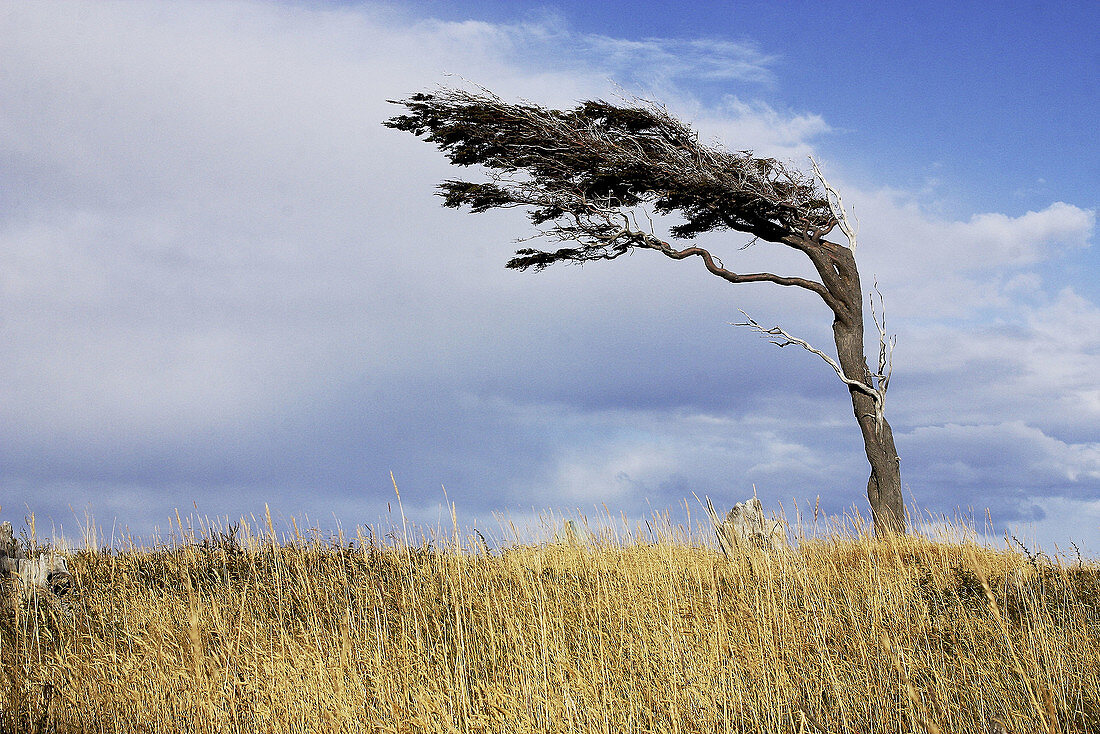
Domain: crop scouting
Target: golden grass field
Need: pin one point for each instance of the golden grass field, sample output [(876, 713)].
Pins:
[(645, 632)]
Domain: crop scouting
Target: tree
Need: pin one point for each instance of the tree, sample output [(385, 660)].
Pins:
[(585, 174)]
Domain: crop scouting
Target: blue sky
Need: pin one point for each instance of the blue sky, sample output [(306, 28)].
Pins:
[(914, 91), (225, 284)]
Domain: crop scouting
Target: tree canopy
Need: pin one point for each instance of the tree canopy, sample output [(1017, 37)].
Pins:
[(576, 167)]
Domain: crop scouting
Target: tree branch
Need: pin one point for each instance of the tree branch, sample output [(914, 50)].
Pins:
[(885, 344), (788, 340), (717, 269), (836, 206), (605, 230), (876, 393)]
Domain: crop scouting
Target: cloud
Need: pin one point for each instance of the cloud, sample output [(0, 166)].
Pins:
[(660, 61), (653, 62), (215, 259), (1026, 239), (1065, 522), (224, 282), (942, 267), (757, 126), (996, 455), (1037, 362)]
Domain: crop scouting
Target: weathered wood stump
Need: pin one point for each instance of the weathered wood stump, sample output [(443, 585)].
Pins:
[(745, 529), (10, 547), (572, 534), (47, 571)]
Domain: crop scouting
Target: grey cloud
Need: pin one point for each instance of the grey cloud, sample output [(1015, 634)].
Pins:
[(223, 282)]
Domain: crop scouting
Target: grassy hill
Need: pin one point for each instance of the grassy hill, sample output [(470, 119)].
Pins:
[(843, 634)]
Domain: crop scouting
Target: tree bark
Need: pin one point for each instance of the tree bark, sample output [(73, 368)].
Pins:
[(884, 484)]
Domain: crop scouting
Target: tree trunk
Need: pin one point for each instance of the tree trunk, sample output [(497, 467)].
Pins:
[(884, 484)]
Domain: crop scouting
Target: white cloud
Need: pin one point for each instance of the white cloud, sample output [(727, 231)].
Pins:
[(655, 63), (660, 61), (1036, 362), (958, 265), (213, 211), (221, 275), (755, 125), (1023, 240), (615, 473)]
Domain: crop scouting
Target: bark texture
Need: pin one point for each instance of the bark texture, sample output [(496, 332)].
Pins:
[(884, 483), (837, 267)]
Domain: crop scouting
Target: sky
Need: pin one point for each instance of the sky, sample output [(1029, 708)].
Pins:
[(225, 286)]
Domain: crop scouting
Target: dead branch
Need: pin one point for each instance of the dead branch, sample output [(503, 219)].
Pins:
[(886, 343), (836, 206), (881, 379), (788, 340)]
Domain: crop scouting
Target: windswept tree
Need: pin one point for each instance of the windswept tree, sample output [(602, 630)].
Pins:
[(586, 174)]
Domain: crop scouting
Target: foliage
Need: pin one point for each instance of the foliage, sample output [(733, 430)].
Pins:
[(582, 168)]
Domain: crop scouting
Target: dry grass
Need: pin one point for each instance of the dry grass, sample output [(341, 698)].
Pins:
[(846, 634)]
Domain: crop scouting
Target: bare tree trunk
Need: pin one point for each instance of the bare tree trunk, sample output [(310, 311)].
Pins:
[(884, 484)]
